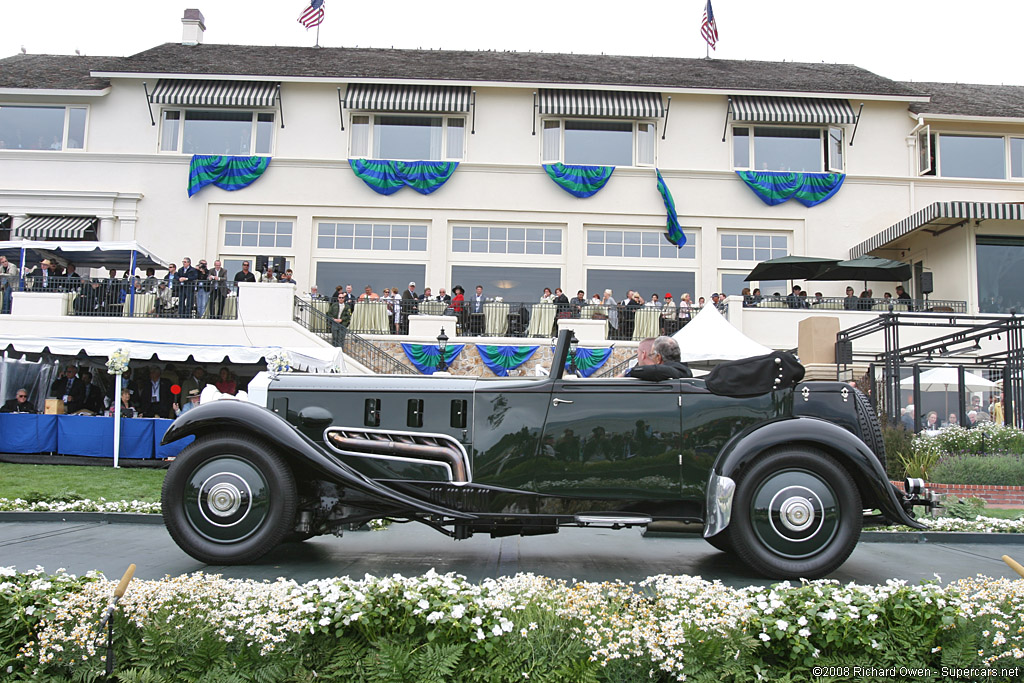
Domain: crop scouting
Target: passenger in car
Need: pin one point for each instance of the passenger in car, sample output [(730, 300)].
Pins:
[(664, 362)]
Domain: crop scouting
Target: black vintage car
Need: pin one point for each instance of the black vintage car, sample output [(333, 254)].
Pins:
[(780, 472)]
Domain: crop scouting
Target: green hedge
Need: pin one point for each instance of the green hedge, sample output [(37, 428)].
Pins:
[(523, 628), (982, 470)]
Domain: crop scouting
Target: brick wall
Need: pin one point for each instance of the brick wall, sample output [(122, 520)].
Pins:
[(992, 495)]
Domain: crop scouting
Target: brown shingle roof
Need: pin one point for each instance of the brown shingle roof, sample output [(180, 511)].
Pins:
[(964, 99), (528, 67), (57, 72)]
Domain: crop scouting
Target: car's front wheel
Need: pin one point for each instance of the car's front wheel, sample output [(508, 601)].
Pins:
[(797, 514), (228, 499)]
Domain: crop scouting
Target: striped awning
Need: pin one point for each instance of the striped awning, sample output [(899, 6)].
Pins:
[(605, 103), (428, 98), (941, 215), (791, 110), (194, 93), (54, 227)]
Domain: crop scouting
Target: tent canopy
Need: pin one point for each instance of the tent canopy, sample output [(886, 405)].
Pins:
[(941, 379), (312, 359), (709, 336), (83, 254)]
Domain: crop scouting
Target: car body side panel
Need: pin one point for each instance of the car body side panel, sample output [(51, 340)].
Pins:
[(507, 424)]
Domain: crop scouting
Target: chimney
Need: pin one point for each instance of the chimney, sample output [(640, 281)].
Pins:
[(193, 26)]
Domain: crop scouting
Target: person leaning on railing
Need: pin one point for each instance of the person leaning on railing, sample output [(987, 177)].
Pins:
[(8, 283)]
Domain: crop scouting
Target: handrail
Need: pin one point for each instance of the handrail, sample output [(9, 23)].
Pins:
[(359, 348)]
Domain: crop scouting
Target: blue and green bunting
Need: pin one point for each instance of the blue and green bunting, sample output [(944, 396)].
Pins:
[(425, 356), (228, 173), (775, 187), (501, 359), (579, 181), (589, 360), (675, 233), (387, 177)]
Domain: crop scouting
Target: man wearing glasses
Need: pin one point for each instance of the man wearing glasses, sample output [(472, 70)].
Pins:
[(245, 275), (19, 404)]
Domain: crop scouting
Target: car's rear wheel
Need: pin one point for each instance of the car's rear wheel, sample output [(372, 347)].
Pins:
[(228, 499), (797, 514)]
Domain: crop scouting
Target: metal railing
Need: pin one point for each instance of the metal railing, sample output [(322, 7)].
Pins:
[(140, 298), (839, 303), (314, 316)]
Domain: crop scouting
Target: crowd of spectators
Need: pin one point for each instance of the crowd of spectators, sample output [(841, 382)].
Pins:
[(153, 392), (976, 415)]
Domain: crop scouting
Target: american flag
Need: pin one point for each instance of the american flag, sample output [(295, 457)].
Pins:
[(313, 15), (708, 29)]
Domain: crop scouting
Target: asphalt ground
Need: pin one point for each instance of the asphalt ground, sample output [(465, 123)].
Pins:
[(83, 543)]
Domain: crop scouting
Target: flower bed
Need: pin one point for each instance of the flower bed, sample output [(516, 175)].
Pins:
[(84, 505), (443, 628)]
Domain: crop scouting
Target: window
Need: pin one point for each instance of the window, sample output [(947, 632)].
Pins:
[(330, 274), (753, 247), (734, 283), (258, 233), (644, 281), (639, 244), (42, 128), (511, 283), (237, 133), (496, 240), (1000, 273), (972, 156), (787, 148), (598, 143), (408, 136), (375, 236)]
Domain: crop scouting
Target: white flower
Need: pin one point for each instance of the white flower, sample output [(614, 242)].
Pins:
[(781, 625), (423, 604), (435, 616), (480, 634), (802, 621), (325, 621), (458, 611), (804, 633), (30, 610), (765, 637)]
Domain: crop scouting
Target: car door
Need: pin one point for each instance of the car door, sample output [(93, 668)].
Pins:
[(611, 440)]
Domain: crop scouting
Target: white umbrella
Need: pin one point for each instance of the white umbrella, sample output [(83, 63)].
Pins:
[(941, 379)]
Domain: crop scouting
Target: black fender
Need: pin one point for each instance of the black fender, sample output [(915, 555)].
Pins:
[(846, 447), (248, 418)]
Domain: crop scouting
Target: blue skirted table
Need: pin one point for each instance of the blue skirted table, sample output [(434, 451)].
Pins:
[(86, 435)]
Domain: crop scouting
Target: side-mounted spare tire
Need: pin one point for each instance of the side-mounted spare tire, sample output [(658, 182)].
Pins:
[(870, 427), (228, 499)]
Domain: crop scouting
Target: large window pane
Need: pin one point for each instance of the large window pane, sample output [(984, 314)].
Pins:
[(31, 127), (217, 132), (787, 149), (360, 136), (330, 274), (741, 147), (169, 131), (1017, 157), (1000, 274), (645, 143), (456, 128), (551, 143), (407, 137), (971, 156), (511, 283), (76, 128), (264, 133), (646, 282), (606, 143)]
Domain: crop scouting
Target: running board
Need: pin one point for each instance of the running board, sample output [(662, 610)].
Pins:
[(614, 521)]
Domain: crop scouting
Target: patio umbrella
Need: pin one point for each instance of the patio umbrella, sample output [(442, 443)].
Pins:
[(940, 379), (790, 268), (866, 268)]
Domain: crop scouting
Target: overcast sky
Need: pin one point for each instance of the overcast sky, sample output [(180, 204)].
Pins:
[(972, 42)]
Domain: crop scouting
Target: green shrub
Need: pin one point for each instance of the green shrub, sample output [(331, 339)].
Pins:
[(964, 508), (990, 470), (898, 446), (918, 464), (985, 439)]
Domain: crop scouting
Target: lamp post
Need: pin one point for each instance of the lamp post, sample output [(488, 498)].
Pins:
[(442, 344)]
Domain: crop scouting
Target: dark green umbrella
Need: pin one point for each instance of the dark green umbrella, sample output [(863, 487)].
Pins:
[(866, 268), (790, 268)]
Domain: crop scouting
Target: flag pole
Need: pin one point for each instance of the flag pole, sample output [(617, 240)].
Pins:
[(317, 35)]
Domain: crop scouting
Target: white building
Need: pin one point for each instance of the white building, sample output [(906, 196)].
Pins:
[(111, 140)]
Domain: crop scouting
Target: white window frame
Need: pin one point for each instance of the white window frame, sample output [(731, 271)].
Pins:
[(256, 249), (691, 245), (924, 151), (182, 112), (738, 263), (65, 129), (371, 115), (636, 123), (379, 254), (524, 258), (825, 134), (935, 138)]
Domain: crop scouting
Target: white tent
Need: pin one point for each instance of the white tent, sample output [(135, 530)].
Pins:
[(709, 336), (119, 255), (312, 359)]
